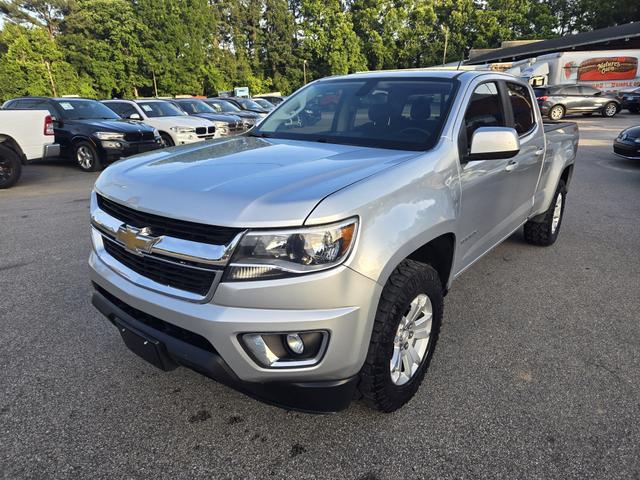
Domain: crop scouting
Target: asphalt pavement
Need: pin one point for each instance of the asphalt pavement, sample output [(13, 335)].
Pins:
[(536, 374)]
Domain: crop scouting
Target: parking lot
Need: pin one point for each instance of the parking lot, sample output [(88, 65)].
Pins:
[(536, 374)]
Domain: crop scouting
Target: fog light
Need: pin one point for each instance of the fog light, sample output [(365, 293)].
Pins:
[(286, 350), (294, 342)]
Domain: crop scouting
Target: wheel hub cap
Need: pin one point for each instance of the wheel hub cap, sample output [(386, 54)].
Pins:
[(85, 158), (411, 340)]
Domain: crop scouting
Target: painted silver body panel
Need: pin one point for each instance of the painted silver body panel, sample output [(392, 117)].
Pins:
[(403, 200)]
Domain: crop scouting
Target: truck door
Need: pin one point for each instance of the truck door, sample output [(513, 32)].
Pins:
[(525, 167), (486, 206)]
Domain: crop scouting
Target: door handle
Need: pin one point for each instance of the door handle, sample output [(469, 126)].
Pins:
[(539, 152), (511, 166)]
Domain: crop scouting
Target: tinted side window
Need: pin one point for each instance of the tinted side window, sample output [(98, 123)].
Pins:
[(123, 109), (484, 110), (570, 91), (522, 108), (589, 90)]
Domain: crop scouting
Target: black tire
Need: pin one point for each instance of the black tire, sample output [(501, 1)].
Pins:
[(86, 157), (407, 281), (167, 141), (10, 167), (557, 112), (634, 109), (542, 232), (610, 110)]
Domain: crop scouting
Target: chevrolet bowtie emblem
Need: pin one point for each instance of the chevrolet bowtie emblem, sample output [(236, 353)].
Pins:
[(136, 240)]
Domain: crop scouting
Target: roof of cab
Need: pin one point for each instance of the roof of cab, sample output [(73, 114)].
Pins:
[(430, 72)]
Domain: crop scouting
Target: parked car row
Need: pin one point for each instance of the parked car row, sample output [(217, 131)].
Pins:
[(94, 133)]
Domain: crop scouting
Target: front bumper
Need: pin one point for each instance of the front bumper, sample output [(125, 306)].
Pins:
[(630, 150), (339, 301), (114, 149), (318, 396)]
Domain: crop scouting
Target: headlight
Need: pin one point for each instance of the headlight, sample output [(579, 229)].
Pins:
[(183, 130), (263, 255), (109, 136), (221, 127)]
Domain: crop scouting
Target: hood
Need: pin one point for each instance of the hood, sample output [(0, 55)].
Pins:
[(246, 114), (241, 181), (631, 132), (183, 121), (120, 126), (218, 117)]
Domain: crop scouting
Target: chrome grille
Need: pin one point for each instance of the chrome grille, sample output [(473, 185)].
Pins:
[(175, 257)]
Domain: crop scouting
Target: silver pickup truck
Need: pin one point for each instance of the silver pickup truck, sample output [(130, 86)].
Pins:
[(305, 263)]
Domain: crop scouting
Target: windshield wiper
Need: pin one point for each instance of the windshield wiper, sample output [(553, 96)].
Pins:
[(260, 135)]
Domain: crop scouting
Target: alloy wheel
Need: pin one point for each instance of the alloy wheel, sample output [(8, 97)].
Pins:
[(411, 342), (84, 156)]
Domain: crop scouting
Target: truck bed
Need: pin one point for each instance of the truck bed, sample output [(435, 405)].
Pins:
[(550, 126)]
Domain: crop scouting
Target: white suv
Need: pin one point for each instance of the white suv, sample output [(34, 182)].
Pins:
[(174, 125)]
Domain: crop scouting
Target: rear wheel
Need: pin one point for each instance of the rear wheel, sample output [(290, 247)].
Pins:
[(86, 157), (404, 336), (556, 112), (634, 109), (610, 110), (10, 167), (545, 232)]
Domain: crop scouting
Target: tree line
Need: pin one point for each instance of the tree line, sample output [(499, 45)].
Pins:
[(129, 48)]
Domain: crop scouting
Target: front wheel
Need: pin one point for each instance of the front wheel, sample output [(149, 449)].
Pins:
[(556, 112), (10, 167), (545, 232), (86, 157), (610, 110), (167, 141), (404, 336)]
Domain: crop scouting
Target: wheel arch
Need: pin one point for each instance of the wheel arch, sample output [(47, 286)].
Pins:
[(9, 142), (439, 253)]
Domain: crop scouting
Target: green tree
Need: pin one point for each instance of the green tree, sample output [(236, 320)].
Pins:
[(39, 13), (176, 45), (329, 38), (100, 38), (279, 50), (32, 64)]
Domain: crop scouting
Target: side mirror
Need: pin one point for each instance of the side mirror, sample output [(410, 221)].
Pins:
[(494, 143), (135, 116)]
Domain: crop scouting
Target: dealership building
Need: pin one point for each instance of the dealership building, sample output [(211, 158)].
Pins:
[(607, 58)]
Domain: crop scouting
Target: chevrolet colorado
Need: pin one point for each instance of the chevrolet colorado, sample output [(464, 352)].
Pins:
[(305, 263)]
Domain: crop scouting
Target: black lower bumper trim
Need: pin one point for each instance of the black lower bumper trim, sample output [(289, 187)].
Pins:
[(165, 352)]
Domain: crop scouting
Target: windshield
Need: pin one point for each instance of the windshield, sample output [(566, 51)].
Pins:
[(249, 104), (74, 109), (160, 109), (222, 105), (400, 113), (263, 103), (195, 106)]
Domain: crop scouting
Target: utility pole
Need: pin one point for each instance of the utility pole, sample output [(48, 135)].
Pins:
[(304, 71), (155, 85), (446, 41)]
